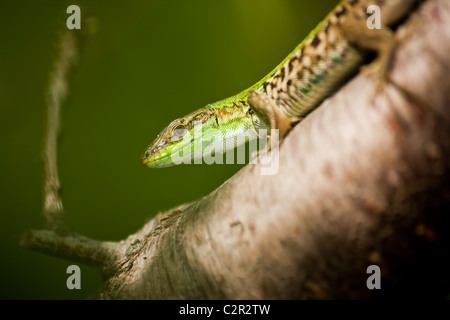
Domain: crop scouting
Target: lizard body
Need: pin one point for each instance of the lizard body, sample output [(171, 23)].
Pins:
[(315, 69)]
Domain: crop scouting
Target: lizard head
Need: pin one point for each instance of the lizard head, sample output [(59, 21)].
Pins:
[(180, 140), (202, 134)]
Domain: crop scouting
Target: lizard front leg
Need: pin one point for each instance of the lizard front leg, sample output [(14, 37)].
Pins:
[(267, 109), (381, 41)]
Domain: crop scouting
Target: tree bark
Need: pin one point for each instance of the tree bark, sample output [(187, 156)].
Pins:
[(363, 180)]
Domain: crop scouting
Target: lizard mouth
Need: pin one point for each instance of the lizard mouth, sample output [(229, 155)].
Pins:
[(158, 161), (155, 158), (162, 154), (156, 154)]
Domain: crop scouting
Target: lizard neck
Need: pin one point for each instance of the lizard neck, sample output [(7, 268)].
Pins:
[(234, 114)]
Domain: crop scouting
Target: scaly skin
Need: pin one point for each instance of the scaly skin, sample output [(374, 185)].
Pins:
[(316, 68)]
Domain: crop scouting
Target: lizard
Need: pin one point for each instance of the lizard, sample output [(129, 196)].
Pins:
[(330, 55)]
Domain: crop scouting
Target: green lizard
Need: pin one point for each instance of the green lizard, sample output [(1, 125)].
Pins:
[(316, 68)]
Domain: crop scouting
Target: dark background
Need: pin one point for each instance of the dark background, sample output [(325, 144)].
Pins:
[(149, 63)]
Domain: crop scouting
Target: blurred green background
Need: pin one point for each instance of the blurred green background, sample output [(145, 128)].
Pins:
[(149, 63)]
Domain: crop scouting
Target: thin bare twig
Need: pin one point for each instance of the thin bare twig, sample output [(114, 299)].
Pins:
[(57, 238), (73, 247), (53, 210)]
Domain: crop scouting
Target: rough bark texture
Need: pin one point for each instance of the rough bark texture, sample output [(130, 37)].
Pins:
[(360, 182)]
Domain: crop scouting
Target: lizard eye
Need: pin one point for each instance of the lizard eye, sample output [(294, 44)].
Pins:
[(179, 133)]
